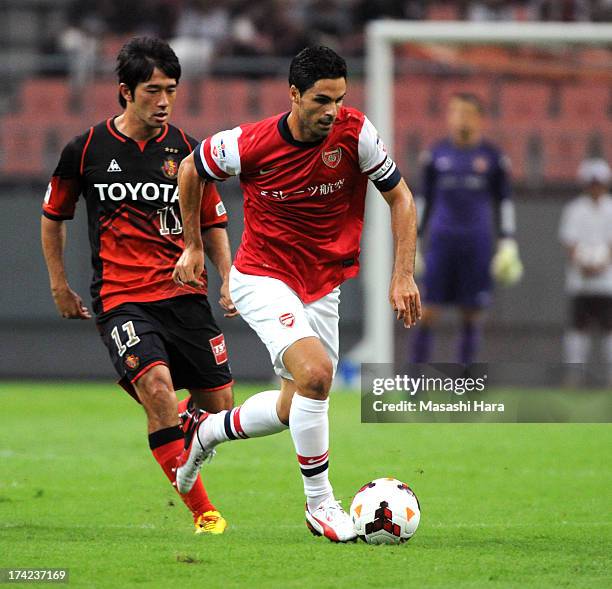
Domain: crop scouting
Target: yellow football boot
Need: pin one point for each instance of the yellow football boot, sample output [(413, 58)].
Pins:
[(210, 522)]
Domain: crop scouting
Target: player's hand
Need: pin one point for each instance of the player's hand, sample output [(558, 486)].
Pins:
[(592, 259), (590, 271), (405, 299), (189, 268), (226, 301), (69, 303), (506, 266)]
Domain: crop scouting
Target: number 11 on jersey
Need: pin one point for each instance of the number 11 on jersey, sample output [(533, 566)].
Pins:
[(168, 214), (133, 339)]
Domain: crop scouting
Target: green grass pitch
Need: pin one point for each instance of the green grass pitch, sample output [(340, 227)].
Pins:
[(503, 505)]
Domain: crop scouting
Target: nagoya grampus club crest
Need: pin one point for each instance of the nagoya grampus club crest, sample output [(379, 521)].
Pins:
[(170, 168), (332, 157), (132, 362)]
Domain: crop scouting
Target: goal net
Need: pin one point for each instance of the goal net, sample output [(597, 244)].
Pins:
[(546, 88)]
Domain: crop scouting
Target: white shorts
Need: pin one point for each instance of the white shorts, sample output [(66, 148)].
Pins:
[(280, 318)]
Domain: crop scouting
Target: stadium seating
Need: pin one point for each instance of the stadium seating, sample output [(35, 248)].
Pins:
[(225, 102), (22, 148), (412, 101), (524, 104), (30, 144), (443, 11), (562, 151), (110, 46), (445, 88), (588, 103), (540, 145), (59, 134), (273, 96), (100, 100), (355, 95), (515, 145), (46, 97)]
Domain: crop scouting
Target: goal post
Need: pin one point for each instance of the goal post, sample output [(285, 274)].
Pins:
[(377, 343)]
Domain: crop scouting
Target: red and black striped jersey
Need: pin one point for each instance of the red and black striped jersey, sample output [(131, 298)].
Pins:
[(131, 193)]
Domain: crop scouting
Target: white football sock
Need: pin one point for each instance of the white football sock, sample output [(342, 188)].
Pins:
[(577, 346), (309, 426), (255, 418)]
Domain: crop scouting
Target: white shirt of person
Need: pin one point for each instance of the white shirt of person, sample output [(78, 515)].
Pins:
[(586, 223)]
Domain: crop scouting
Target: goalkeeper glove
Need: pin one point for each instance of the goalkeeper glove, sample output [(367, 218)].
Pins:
[(506, 266)]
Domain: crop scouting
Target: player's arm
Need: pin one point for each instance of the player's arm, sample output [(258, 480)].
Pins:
[(216, 243), (578, 255), (58, 206), (383, 173), (506, 265), (190, 265), (567, 232), (215, 159), (69, 304), (403, 293), (217, 246), (505, 217)]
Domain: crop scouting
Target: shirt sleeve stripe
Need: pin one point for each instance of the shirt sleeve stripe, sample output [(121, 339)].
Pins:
[(185, 139), (376, 167), (82, 167), (383, 171), (217, 224), (197, 158), (57, 217), (390, 181), (209, 163)]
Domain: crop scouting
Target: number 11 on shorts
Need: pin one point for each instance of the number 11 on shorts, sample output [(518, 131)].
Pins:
[(133, 339)]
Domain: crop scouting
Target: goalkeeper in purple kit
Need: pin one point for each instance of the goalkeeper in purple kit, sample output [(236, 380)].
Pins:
[(467, 217)]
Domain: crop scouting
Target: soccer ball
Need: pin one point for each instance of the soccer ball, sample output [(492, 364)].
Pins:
[(385, 511)]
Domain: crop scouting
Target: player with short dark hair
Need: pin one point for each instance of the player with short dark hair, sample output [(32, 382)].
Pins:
[(138, 59), (160, 336), (304, 175), (315, 63), (467, 205)]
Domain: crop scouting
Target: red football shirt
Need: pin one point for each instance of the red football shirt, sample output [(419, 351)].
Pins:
[(303, 202), (131, 194)]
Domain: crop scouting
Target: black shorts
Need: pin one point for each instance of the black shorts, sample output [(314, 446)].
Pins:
[(180, 333), (591, 311)]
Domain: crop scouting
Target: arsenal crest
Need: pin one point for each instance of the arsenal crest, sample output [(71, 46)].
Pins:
[(132, 362), (332, 157), (287, 319), (170, 168)]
